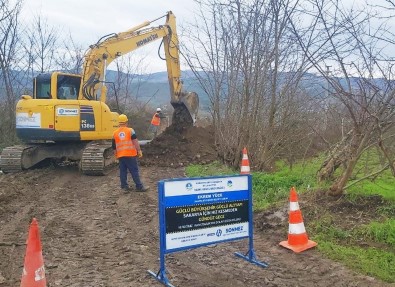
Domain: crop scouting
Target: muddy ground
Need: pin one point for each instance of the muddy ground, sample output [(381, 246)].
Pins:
[(94, 235)]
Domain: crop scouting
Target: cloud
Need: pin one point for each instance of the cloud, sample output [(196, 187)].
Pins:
[(87, 20)]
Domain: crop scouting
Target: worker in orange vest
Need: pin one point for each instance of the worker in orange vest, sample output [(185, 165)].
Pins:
[(155, 122), (127, 149)]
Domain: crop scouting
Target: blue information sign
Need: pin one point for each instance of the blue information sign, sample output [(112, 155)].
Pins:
[(196, 212)]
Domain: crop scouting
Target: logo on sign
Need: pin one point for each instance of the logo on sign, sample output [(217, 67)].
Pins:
[(189, 186), (28, 120), (219, 232), (229, 183), (234, 229), (67, 112)]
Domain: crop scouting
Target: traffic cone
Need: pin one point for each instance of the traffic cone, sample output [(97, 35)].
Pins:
[(33, 270), (297, 236), (245, 164)]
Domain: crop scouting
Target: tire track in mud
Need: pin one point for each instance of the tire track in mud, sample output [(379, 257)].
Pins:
[(102, 249), (93, 235), (95, 228)]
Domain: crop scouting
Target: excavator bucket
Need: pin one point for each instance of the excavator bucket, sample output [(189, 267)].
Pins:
[(185, 110)]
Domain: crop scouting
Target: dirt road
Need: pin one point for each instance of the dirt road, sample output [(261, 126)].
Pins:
[(93, 235)]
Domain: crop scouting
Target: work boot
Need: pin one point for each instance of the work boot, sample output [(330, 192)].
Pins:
[(126, 189), (142, 189)]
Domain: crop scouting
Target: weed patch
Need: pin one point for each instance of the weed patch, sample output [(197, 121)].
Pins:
[(370, 261)]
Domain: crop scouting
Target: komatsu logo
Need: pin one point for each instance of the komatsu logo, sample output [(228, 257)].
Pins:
[(147, 40)]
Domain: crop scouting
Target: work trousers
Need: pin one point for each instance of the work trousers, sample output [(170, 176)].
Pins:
[(154, 129), (130, 164)]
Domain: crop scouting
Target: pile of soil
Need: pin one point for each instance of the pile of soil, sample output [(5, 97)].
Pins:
[(175, 147)]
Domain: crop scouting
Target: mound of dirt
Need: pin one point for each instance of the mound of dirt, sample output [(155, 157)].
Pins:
[(174, 148)]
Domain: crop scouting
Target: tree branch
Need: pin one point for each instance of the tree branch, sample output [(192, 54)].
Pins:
[(365, 177)]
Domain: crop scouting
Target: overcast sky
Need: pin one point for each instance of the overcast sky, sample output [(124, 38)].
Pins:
[(89, 20)]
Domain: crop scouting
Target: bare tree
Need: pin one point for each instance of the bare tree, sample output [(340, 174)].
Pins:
[(41, 45), (361, 81), (128, 82), (9, 40), (70, 56), (247, 62)]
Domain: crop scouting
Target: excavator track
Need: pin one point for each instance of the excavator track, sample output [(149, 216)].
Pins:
[(97, 159), (12, 157)]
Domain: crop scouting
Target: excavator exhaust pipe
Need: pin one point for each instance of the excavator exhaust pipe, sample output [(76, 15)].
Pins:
[(185, 110)]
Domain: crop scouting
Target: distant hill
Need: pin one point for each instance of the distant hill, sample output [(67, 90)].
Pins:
[(154, 88)]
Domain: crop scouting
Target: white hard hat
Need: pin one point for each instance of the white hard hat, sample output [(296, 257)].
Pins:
[(158, 109)]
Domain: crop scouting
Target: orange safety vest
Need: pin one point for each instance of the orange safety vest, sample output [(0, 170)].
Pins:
[(155, 120), (123, 142)]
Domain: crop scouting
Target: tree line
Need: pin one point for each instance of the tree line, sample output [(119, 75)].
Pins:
[(252, 57), (256, 55)]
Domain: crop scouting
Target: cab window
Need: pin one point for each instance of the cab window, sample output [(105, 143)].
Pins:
[(67, 92), (68, 87), (43, 90)]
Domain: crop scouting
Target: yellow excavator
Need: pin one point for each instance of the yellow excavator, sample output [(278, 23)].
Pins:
[(68, 118)]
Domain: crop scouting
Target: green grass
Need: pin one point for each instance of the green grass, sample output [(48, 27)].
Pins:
[(305, 169), (269, 189), (343, 245), (381, 232), (368, 249), (387, 210), (212, 169), (384, 184), (370, 261), (326, 228)]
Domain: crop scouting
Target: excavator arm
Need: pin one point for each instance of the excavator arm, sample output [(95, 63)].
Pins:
[(112, 46)]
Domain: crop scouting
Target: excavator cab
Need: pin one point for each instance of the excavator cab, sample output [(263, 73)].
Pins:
[(56, 85), (57, 112)]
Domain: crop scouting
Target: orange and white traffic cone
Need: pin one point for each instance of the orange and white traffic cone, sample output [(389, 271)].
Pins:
[(33, 270), (298, 240), (245, 164)]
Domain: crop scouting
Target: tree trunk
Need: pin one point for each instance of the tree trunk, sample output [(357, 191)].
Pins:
[(337, 188), (338, 156), (358, 143)]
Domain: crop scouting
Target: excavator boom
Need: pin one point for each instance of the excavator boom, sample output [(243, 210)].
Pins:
[(113, 46)]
